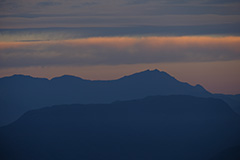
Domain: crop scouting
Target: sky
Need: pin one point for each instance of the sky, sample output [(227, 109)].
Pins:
[(196, 41)]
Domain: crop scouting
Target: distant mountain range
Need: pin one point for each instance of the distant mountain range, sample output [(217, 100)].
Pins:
[(153, 128), (20, 93)]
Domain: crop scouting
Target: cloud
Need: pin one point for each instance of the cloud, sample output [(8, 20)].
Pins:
[(221, 1), (47, 3), (118, 50), (118, 21), (183, 1), (108, 13), (46, 34)]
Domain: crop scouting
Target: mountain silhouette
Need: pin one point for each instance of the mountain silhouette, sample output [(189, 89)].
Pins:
[(21, 93), (232, 153), (156, 127)]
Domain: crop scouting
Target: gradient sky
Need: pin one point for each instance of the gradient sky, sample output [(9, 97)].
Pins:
[(196, 41)]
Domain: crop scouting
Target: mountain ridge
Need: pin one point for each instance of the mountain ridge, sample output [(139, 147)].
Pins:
[(72, 76), (21, 93), (123, 77), (155, 127)]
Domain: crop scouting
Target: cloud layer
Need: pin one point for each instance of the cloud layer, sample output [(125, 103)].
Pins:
[(118, 50), (89, 13)]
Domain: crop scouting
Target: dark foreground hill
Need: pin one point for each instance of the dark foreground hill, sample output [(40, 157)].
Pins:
[(232, 153), (153, 128), (22, 93)]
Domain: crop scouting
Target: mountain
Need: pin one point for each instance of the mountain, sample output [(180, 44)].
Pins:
[(156, 127), (21, 93), (232, 153), (232, 100)]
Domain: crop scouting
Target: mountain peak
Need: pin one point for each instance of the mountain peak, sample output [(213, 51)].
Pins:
[(148, 70), (67, 77), (149, 74), (156, 71), (21, 76)]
